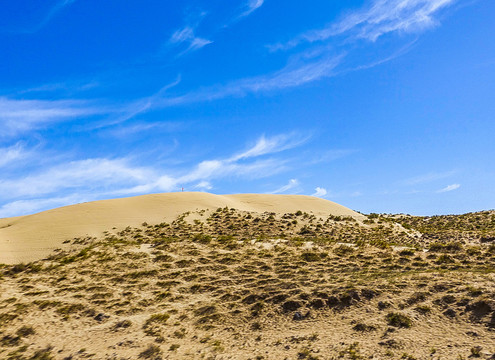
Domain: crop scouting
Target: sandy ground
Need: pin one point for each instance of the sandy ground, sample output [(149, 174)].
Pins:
[(244, 284)]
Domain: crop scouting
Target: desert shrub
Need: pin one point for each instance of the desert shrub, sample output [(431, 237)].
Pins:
[(352, 351), (205, 310), (444, 259), (152, 325), (157, 318), (163, 258), (423, 309), (24, 331), (406, 252), (342, 250), (124, 324), (398, 320), (180, 334), (476, 351), (202, 238), (416, 298), (310, 256), (448, 247), (43, 354), (69, 309), (363, 327), (380, 243), (151, 352)]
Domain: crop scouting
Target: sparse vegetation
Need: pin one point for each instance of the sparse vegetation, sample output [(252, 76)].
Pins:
[(215, 285), (398, 320)]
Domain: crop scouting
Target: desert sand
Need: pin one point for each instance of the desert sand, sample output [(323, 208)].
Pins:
[(33, 237), (201, 276)]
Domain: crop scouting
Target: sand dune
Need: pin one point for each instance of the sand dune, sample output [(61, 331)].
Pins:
[(33, 237)]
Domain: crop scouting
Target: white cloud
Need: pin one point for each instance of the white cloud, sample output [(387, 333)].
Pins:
[(331, 155), (23, 207), (320, 192), (449, 188), (91, 174), (138, 107), (11, 154), (67, 87), (58, 7), (203, 185), (23, 115), (271, 145), (251, 6), (427, 178), (377, 19), (293, 75), (290, 185), (187, 35), (101, 177)]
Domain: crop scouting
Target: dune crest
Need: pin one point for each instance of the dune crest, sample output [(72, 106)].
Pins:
[(33, 237)]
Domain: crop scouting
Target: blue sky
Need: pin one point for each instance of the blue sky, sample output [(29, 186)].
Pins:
[(380, 105)]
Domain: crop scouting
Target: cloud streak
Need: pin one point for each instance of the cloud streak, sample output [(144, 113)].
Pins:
[(293, 183), (313, 64), (251, 6), (103, 177), (55, 10), (381, 17), (187, 35), (428, 178), (18, 116), (449, 188), (292, 75), (11, 154)]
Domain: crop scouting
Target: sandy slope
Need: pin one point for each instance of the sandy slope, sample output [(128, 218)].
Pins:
[(32, 237)]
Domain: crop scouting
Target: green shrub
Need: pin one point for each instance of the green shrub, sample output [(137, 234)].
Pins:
[(398, 320)]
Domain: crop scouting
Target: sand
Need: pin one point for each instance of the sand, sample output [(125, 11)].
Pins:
[(34, 237)]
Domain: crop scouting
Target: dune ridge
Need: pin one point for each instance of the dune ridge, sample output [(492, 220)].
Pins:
[(33, 237)]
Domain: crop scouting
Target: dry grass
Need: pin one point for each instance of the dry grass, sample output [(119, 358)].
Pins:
[(234, 284)]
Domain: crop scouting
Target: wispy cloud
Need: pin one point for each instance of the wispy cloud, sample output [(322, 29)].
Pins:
[(30, 206), (203, 185), (186, 35), (292, 75), (103, 177), (271, 145), (379, 18), (317, 62), (55, 10), (138, 128), (66, 87), (428, 178), (251, 6), (449, 188), (138, 107), (293, 183), (90, 174), (11, 154), (320, 192), (331, 155), (23, 115)]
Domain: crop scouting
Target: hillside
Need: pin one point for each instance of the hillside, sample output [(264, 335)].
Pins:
[(32, 237), (229, 283)]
